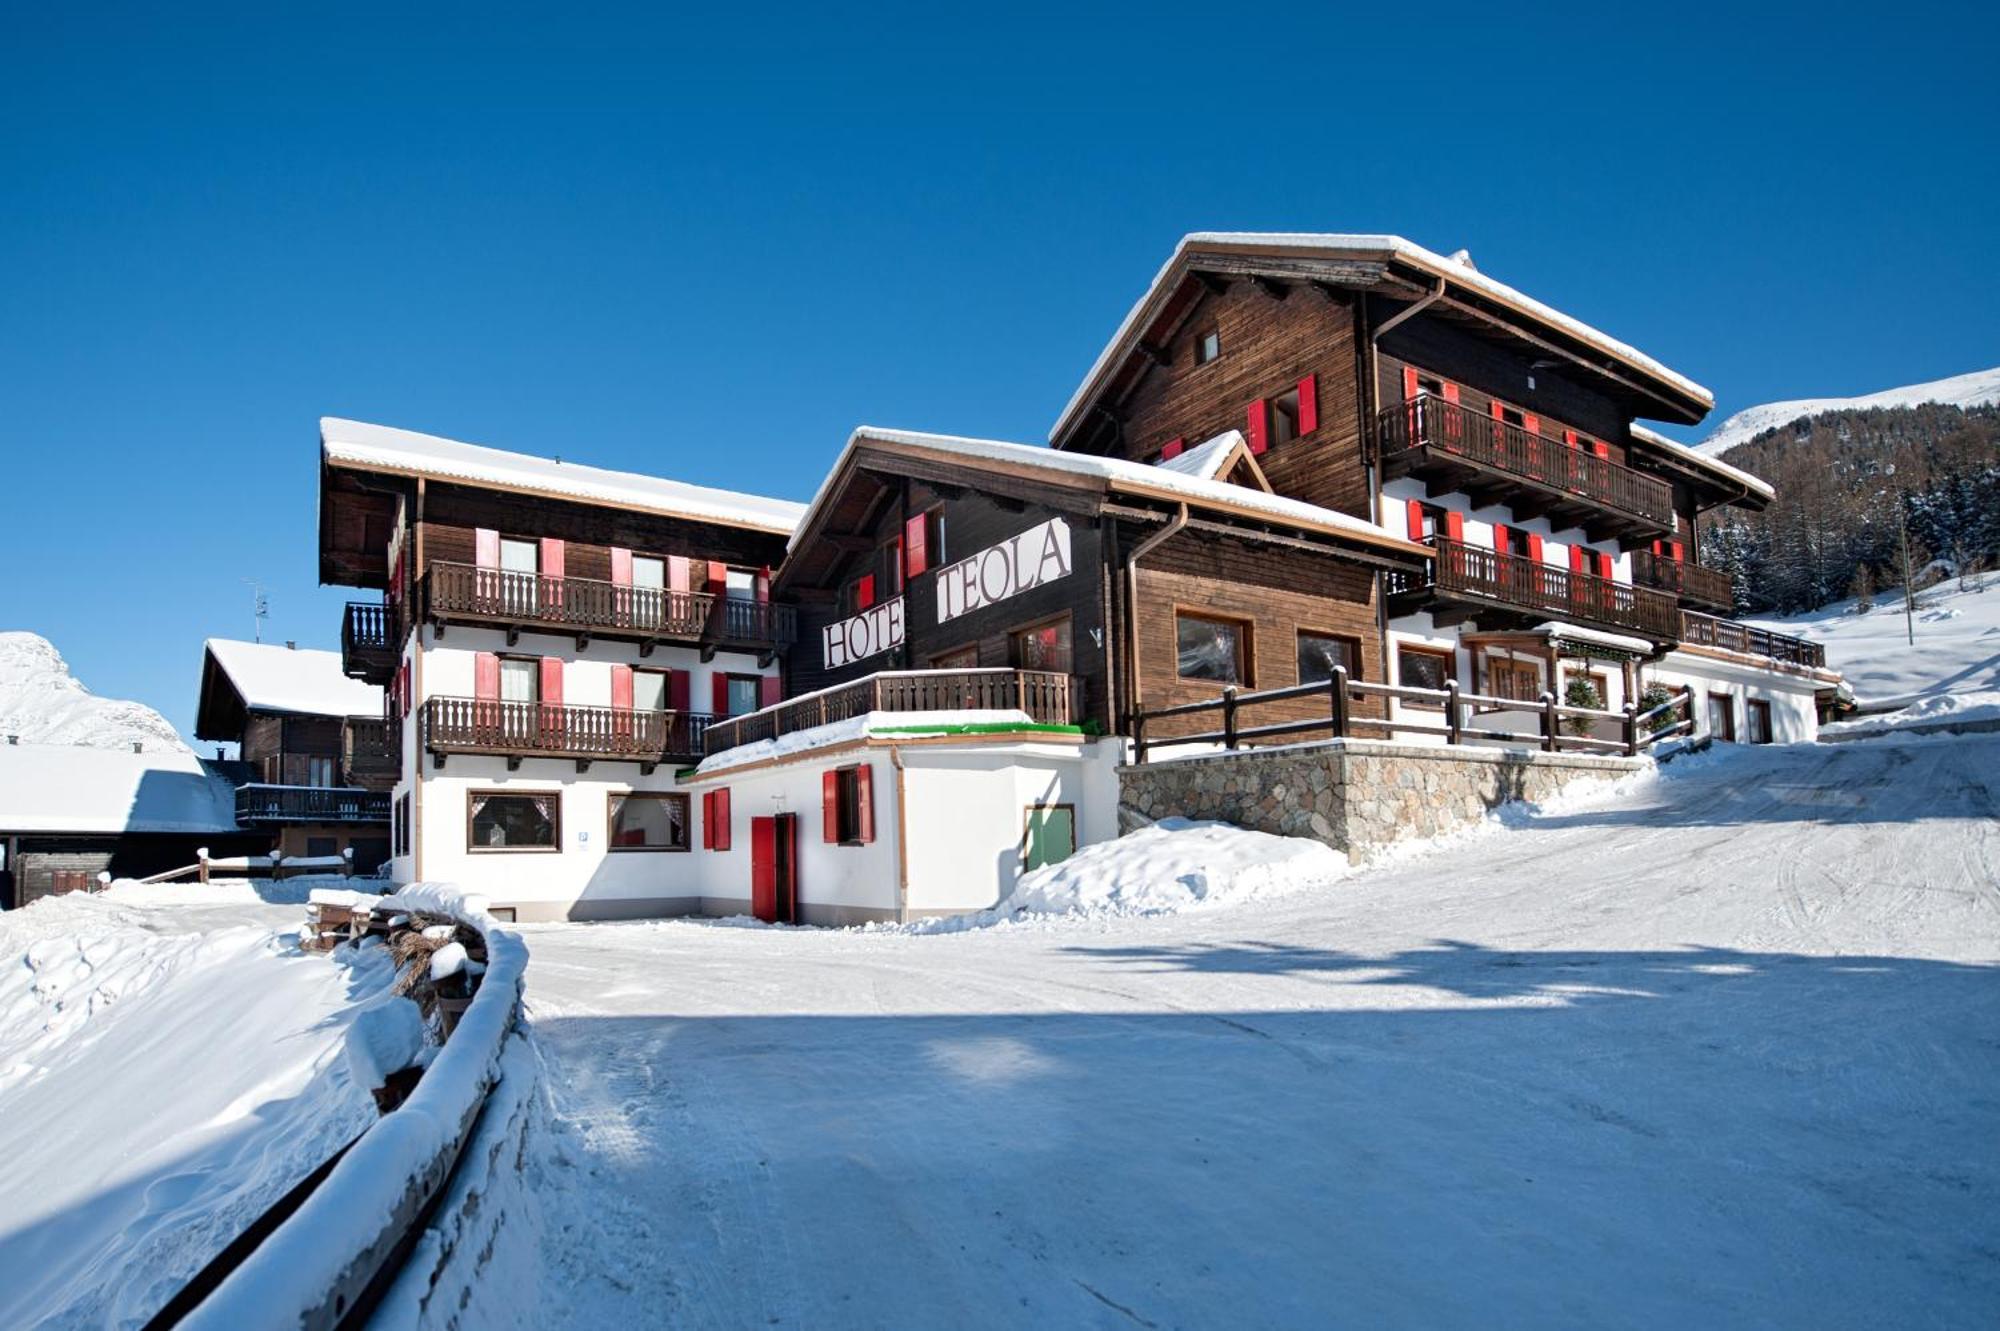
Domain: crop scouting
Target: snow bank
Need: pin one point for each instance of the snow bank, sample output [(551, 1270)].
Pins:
[(1174, 865), (1957, 648), (1933, 711)]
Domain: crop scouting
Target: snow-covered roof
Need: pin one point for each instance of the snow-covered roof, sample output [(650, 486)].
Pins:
[(1557, 631), (274, 678), (1386, 248), (407, 453), (1143, 478), (70, 788), (1695, 458), (1204, 461)]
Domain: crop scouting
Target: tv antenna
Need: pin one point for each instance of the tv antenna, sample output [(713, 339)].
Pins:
[(260, 607)]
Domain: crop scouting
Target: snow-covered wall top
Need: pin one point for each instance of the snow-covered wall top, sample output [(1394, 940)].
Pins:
[(71, 788), (1980, 388), (275, 678), (43, 703), (405, 452)]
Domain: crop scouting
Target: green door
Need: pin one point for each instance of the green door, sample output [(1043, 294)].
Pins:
[(1051, 834)]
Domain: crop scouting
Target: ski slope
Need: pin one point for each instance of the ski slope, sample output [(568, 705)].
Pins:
[(169, 1067), (1720, 1048)]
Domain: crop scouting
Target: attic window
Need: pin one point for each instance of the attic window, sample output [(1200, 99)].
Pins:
[(1207, 346)]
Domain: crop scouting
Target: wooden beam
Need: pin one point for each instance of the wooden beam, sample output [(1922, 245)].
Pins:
[(1271, 286), (1158, 355)]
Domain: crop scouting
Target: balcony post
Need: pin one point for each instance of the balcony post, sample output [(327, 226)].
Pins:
[(1548, 722), (1338, 686), (1229, 717), (1454, 723), (1631, 730)]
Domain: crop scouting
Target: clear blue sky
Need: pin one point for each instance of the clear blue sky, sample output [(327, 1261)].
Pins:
[(709, 246)]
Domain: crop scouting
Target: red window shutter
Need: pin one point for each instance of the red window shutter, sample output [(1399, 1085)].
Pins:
[(1499, 538), (1576, 559), (679, 687), (916, 553), (1677, 549), (864, 592), (1499, 412), (718, 692), (1569, 437), (1657, 551), (1259, 425), (1309, 404), (621, 566), (486, 547), (1416, 520), (677, 574), (1602, 449), (763, 584), (552, 675), (1409, 382), (552, 557), (1534, 547), (621, 686), (1604, 565), (1172, 449), (864, 803), (722, 818), (718, 577), (770, 691), (1454, 525), (708, 820), (486, 676), (1532, 424), (1451, 394), (829, 806)]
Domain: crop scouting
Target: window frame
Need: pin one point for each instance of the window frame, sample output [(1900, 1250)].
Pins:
[(473, 793), (665, 676), (1496, 665), (1353, 640), (1028, 831), (847, 805), (1283, 419), (1211, 333), (1758, 708), (1034, 625), (666, 796), (534, 673), (941, 660), (756, 682), (1445, 654), (1246, 654)]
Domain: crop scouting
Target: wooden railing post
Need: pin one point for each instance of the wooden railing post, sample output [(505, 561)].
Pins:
[(1229, 717), (1338, 684), (1454, 721), (1138, 737), (1687, 702), (1548, 722), (1631, 730)]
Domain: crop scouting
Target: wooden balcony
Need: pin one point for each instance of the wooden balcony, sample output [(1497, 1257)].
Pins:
[(587, 608), (1450, 448), (1044, 695), (262, 805), (518, 730), (372, 753), (1691, 584), (369, 643), (1701, 630), (1469, 582)]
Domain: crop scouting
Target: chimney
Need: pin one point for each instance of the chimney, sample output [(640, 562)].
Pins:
[(13, 739), (138, 747), (291, 646)]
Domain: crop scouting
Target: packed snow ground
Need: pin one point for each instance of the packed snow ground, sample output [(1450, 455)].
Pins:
[(1954, 666), (1723, 1050), (169, 1067)]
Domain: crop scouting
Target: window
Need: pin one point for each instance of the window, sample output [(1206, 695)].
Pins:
[(519, 556), (1211, 649), (520, 679), (649, 690), (403, 824), (1757, 717), (959, 658), (1319, 653), (520, 561), (322, 847), (740, 584), (1518, 681), (743, 693), (1051, 835), (1207, 346), (1722, 717), (649, 572), (319, 771), (1042, 646), (892, 565), (848, 797), (648, 822), (1515, 542), (1421, 668), (507, 820), (1285, 417), (1597, 680)]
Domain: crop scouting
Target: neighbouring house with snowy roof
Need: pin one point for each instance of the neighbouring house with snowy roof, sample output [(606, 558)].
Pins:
[(316, 753), (69, 813)]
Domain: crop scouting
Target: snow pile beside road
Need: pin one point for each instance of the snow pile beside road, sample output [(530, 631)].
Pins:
[(1957, 647), (1931, 711), (1172, 866)]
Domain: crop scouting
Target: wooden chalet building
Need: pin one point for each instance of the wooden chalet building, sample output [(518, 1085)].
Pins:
[(315, 751), (555, 640), (1384, 381)]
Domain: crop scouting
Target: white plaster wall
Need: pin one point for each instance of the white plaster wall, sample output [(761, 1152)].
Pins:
[(831, 878), (1479, 523), (448, 664), (1794, 714)]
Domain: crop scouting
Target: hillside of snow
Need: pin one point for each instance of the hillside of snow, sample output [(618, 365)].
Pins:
[(1953, 668), (43, 703), (1980, 388)]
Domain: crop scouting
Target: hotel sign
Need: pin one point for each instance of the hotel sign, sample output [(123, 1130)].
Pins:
[(877, 629), (1021, 563)]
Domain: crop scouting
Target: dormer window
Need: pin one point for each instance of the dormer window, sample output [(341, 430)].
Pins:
[(1207, 346)]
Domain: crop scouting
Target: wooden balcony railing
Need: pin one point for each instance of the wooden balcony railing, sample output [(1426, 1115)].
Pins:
[(465, 593), (372, 751), (517, 730), (369, 642), (1535, 588), (1689, 582), (1044, 695), (309, 804), (1729, 635), (1449, 432)]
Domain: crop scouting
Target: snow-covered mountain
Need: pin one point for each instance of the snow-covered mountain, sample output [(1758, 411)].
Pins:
[(1979, 388), (43, 703)]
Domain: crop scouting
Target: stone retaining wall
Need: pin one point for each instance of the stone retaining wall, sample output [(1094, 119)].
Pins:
[(1357, 796)]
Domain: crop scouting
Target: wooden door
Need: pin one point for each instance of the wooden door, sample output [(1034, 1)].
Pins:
[(774, 879), (786, 878), (1722, 717)]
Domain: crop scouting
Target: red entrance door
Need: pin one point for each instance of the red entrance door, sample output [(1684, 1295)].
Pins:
[(774, 842)]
